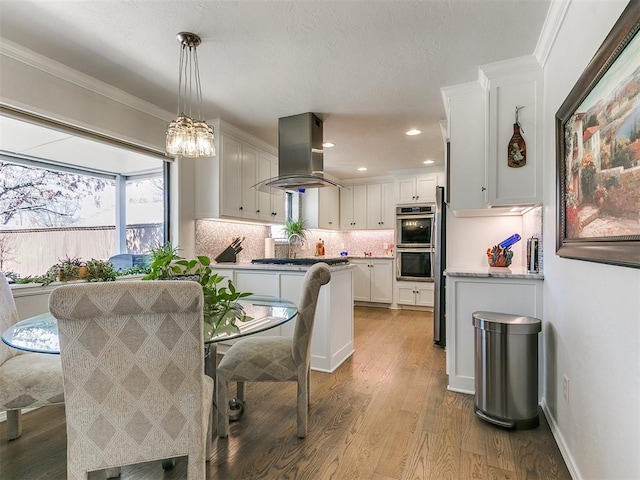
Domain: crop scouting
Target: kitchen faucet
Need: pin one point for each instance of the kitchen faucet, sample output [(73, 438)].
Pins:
[(293, 241)]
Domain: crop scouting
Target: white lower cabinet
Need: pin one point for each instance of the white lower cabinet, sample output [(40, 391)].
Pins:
[(373, 280), (419, 294), (466, 295)]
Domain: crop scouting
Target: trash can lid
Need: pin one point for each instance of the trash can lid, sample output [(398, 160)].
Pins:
[(506, 323)]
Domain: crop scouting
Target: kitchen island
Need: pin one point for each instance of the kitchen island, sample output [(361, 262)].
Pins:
[(332, 339)]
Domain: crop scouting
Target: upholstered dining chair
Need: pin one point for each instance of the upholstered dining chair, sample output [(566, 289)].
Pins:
[(133, 369), (275, 359), (26, 379)]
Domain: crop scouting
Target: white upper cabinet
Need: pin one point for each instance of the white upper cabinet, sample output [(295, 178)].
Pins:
[(270, 205), (514, 83), (353, 208), (480, 119), (223, 183), (380, 206), (416, 189), (466, 108), (321, 208), (329, 211)]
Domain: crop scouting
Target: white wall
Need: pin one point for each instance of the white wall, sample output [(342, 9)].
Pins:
[(469, 238), (592, 311)]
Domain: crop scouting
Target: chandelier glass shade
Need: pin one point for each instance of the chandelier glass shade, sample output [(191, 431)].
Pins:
[(188, 135)]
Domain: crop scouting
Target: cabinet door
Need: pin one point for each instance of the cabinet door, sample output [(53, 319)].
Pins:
[(263, 207), (388, 207), (278, 198), (381, 281), (231, 157), (248, 179), (346, 208), (406, 190), (374, 206), (361, 280), (360, 207), (405, 294), (467, 117), (329, 208), (426, 189), (353, 208), (507, 185), (424, 294)]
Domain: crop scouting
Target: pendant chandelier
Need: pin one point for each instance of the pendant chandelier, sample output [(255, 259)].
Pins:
[(188, 135)]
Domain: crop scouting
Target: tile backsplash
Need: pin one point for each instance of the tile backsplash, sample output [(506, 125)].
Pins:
[(213, 236)]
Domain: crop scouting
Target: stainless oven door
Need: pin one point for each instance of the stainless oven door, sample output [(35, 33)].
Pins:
[(414, 264), (414, 231)]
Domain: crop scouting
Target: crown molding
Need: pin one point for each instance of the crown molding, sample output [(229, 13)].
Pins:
[(553, 22), (40, 62)]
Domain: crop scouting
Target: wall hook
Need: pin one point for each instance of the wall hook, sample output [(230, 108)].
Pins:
[(518, 108)]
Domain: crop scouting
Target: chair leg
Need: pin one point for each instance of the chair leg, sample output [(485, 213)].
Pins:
[(222, 403), (112, 472), (14, 424), (240, 391), (209, 434), (303, 405)]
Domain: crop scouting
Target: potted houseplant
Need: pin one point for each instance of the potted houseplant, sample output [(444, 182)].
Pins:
[(70, 268), (221, 308), (100, 271), (295, 228)]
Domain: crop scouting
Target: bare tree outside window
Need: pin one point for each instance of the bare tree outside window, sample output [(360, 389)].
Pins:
[(36, 197)]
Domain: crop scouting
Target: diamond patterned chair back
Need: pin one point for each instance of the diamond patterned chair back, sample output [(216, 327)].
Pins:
[(276, 359), (133, 368), (26, 379)]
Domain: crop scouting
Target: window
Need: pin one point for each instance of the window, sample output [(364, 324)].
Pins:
[(66, 196)]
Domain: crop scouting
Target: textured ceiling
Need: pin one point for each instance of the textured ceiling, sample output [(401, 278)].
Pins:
[(370, 69)]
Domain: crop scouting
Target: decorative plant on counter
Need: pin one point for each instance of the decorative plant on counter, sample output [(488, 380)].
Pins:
[(221, 309)]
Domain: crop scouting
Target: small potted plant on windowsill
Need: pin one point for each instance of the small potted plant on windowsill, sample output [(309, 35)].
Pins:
[(100, 271), (70, 268)]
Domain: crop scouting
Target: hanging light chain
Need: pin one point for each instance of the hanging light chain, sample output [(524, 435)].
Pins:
[(189, 135)]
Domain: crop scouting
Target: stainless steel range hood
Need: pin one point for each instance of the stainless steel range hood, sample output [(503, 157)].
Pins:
[(300, 155)]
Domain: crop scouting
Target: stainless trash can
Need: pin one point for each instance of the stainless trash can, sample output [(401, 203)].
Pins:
[(506, 369)]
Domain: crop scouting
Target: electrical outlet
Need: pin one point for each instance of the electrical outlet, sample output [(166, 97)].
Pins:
[(565, 388)]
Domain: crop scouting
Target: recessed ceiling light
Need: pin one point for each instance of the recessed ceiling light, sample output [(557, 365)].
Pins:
[(328, 144), (362, 169), (413, 131), (428, 162)]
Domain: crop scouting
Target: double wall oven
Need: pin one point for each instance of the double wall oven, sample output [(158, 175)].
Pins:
[(415, 242)]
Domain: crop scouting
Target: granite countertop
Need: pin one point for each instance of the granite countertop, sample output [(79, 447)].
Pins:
[(273, 267), (486, 272), (377, 257)]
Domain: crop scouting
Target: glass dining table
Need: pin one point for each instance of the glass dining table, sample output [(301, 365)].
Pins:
[(40, 333)]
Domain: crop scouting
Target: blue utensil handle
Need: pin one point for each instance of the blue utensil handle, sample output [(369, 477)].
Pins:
[(509, 241)]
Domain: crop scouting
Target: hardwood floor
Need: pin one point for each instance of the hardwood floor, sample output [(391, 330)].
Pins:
[(384, 414)]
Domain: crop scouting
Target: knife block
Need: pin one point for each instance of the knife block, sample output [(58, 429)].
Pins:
[(228, 255)]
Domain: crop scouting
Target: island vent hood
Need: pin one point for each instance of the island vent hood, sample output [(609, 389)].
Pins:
[(300, 156)]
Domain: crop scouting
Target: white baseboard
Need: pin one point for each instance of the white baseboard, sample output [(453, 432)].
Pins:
[(562, 445)]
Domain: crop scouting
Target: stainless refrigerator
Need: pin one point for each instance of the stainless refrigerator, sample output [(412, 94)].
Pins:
[(439, 264)]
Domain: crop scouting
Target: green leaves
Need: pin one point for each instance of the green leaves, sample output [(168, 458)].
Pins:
[(221, 310)]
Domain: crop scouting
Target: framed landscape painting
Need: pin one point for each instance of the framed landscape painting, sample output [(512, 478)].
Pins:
[(598, 153)]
